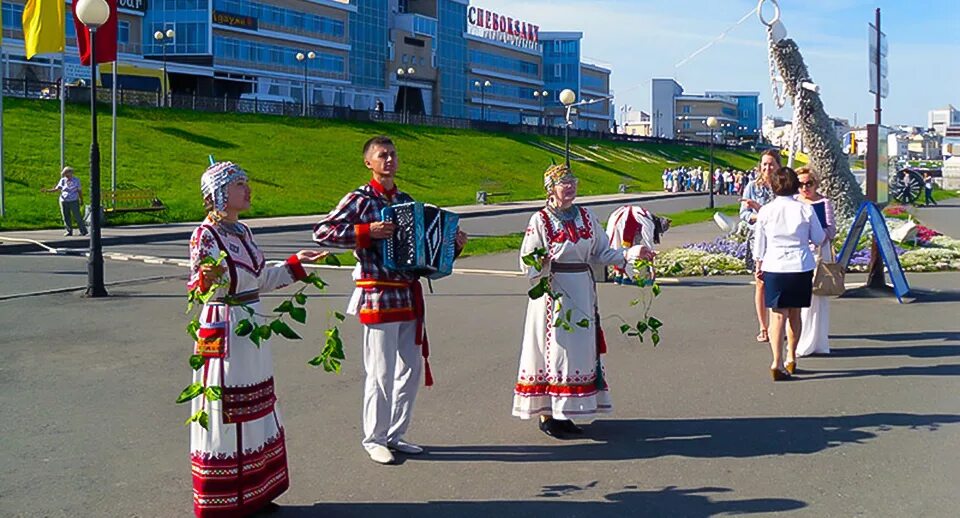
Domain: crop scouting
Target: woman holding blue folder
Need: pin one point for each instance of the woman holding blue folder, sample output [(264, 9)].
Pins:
[(815, 329)]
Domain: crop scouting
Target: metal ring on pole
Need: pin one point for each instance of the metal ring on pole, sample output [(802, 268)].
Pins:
[(776, 12)]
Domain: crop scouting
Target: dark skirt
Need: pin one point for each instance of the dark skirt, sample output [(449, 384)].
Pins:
[(787, 290)]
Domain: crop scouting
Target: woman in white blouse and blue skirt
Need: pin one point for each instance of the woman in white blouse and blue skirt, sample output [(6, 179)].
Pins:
[(784, 262)]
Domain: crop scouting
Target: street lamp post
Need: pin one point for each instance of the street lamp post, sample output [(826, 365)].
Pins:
[(163, 38), (483, 103), (711, 123), (542, 95), (624, 110), (400, 73), (567, 98), (93, 14), (305, 58)]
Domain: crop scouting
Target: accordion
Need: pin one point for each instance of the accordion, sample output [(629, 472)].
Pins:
[(424, 242)]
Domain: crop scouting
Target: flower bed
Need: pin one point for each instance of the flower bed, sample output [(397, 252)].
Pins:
[(931, 251)]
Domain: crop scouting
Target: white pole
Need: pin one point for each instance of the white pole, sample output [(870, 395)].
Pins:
[(63, 109), (113, 137), (3, 211)]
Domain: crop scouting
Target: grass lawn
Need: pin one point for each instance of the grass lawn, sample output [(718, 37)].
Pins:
[(302, 166)]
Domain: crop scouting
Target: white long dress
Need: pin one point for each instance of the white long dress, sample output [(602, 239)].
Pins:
[(240, 463), (815, 320), (559, 369)]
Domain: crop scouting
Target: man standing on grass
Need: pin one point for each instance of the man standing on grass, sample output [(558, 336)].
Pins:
[(388, 303)]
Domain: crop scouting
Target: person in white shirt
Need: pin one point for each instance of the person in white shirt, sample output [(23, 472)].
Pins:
[(71, 197), (784, 230)]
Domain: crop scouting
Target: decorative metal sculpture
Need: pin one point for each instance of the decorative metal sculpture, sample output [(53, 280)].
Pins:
[(811, 124)]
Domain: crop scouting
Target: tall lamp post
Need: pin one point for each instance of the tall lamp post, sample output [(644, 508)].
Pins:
[(483, 102), (93, 14), (305, 58), (400, 73), (163, 38), (542, 95), (624, 110), (711, 123), (567, 98)]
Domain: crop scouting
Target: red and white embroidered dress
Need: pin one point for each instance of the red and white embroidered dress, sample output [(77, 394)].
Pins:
[(239, 463), (558, 369)]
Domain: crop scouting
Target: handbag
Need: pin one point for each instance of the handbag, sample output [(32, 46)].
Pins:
[(829, 275)]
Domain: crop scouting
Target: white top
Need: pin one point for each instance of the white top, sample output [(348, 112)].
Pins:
[(784, 230), (69, 188)]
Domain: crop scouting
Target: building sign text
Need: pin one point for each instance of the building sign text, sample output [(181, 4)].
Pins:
[(235, 20), (495, 26)]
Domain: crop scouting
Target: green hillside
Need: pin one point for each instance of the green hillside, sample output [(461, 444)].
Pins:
[(302, 166)]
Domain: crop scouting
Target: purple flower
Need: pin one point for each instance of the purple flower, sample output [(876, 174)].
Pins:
[(721, 245), (862, 257)]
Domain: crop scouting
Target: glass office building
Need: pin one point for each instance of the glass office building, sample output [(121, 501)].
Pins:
[(431, 57)]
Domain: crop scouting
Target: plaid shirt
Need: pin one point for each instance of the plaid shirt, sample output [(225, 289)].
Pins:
[(385, 295)]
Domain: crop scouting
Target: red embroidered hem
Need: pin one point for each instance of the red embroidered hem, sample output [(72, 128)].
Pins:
[(549, 389), (221, 488), (242, 404)]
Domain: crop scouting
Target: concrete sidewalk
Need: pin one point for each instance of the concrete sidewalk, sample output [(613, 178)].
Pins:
[(16, 242)]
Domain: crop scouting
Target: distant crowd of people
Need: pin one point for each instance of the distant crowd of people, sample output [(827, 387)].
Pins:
[(697, 179)]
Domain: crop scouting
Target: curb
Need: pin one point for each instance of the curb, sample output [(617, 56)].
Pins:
[(493, 210)]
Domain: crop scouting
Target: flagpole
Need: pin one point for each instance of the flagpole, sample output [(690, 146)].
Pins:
[(63, 109), (113, 139), (3, 59)]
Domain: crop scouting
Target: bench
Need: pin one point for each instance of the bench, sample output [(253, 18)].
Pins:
[(484, 196), (132, 200)]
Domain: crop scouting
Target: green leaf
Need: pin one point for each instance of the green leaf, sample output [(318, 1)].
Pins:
[(335, 366), (265, 332), (281, 328), (634, 302), (654, 323), (339, 316), (655, 337), (213, 393), (204, 420), (532, 261), (634, 333), (192, 329), (331, 260), (244, 327), (656, 290), (193, 390), (284, 307), (568, 315), (641, 327), (299, 314), (193, 417), (255, 337), (300, 298), (196, 361), (584, 323), (316, 361), (540, 289), (624, 328)]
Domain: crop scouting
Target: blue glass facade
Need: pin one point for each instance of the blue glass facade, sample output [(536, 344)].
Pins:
[(190, 19), (452, 57), (561, 64), (369, 35), (748, 114), (286, 20), (498, 63), (256, 53)]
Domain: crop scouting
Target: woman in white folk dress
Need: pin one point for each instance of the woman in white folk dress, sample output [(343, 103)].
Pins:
[(815, 330), (561, 373), (239, 460)]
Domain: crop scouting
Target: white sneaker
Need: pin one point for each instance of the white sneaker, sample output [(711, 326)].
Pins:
[(406, 447), (380, 454)]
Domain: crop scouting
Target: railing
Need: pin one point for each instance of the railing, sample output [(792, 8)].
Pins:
[(26, 88)]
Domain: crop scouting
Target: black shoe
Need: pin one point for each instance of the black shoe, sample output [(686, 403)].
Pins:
[(553, 428), (569, 426)]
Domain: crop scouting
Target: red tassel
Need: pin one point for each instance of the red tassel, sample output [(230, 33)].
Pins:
[(428, 375)]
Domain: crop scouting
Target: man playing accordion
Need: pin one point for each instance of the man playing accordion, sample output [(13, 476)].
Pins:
[(389, 304)]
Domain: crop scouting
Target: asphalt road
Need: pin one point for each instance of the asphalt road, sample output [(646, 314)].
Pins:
[(90, 428)]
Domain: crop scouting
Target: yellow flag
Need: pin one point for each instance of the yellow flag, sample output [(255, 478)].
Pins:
[(44, 27)]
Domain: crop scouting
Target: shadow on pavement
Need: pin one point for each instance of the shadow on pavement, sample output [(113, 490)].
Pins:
[(669, 501), (920, 296), (932, 370), (736, 437), (902, 337)]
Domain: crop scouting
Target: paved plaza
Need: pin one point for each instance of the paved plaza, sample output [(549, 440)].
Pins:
[(90, 427)]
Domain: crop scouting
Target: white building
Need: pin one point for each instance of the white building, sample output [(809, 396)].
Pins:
[(939, 120)]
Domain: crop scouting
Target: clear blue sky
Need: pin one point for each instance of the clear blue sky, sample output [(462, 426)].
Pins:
[(643, 39)]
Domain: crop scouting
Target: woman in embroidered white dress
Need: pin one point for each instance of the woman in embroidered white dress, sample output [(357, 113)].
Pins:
[(815, 327), (561, 371), (239, 460)]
